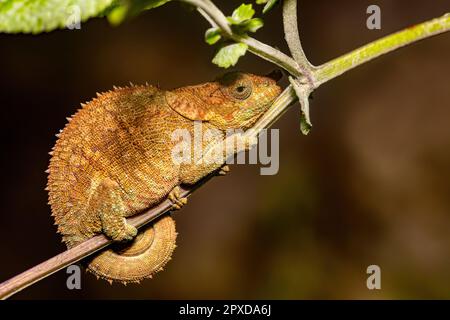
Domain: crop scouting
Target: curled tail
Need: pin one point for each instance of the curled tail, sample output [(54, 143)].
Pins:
[(144, 256)]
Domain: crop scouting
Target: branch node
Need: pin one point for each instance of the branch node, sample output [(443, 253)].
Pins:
[(303, 91)]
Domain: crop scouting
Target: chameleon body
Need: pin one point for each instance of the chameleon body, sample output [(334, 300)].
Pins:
[(114, 159)]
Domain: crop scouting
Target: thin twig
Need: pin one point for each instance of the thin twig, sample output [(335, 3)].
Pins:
[(270, 54), (292, 36), (303, 91), (302, 88), (338, 66), (213, 13), (217, 19)]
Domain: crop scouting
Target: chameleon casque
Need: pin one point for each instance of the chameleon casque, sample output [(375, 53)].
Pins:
[(113, 160)]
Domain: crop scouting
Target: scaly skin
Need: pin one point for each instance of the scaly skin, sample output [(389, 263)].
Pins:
[(114, 159)]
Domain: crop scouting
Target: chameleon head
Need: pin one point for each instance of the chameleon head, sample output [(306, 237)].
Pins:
[(235, 100), (246, 98)]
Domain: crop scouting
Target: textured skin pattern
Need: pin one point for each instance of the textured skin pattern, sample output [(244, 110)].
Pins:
[(146, 255), (114, 159)]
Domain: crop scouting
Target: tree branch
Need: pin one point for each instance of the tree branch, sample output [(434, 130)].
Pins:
[(217, 19), (88, 247), (292, 36), (323, 74), (206, 7), (366, 53), (302, 88)]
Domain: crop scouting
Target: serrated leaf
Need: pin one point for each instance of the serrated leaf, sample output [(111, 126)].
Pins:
[(129, 8), (212, 35), (229, 55), (242, 13), (45, 15)]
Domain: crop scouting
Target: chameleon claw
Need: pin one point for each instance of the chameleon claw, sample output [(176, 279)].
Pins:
[(175, 197), (174, 194)]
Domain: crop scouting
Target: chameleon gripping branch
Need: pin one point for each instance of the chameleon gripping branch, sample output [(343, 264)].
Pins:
[(320, 75), (88, 247)]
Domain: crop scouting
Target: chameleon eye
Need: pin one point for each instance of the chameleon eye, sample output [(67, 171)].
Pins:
[(241, 91)]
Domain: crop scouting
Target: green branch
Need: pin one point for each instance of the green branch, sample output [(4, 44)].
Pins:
[(291, 34), (340, 65)]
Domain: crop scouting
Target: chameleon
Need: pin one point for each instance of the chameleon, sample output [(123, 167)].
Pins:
[(113, 159)]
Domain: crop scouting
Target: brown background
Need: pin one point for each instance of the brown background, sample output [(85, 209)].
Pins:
[(370, 185)]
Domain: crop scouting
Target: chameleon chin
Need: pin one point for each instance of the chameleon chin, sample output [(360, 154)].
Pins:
[(113, 159)]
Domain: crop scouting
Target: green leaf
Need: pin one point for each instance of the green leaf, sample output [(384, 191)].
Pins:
[(45, 15), (305, 124), (252, 25), (242, 13), (129, 8), (118, 15), (212, 35), (269, 4), (155, 3), (229, 55), (241, 20)]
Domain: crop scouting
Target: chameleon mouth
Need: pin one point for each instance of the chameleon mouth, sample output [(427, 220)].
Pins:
[(275, 75)]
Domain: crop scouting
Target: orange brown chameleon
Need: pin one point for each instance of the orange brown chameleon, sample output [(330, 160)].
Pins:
[(113, 159)]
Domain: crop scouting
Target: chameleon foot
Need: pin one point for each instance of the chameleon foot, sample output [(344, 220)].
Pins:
[(224, 170), (120, 232), (130, 232), (177, 200), (107, 204)]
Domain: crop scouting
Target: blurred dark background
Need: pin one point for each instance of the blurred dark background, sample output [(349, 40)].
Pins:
[(369, 185)]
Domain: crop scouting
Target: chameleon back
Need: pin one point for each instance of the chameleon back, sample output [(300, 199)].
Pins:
[(98, 144)]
